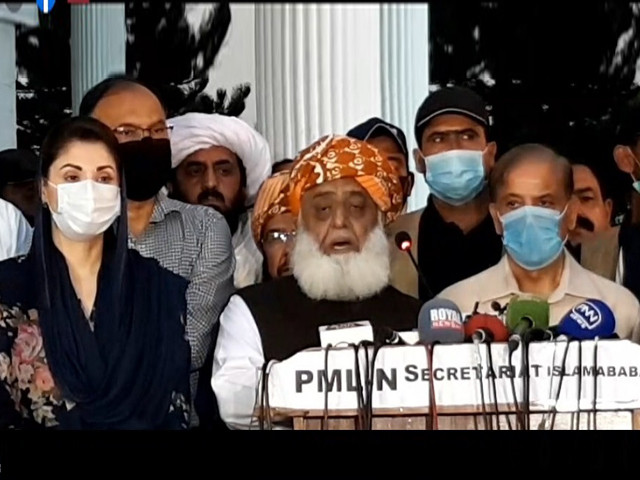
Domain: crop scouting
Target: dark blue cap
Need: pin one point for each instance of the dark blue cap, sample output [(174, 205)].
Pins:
[(376, 127)]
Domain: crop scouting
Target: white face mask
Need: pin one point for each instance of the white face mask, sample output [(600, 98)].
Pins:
[(85, 209)]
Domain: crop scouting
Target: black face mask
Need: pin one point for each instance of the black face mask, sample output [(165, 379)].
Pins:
[(147, 167)]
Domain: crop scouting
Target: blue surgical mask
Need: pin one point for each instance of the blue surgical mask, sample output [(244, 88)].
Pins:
[(532, 236), (456, 177)]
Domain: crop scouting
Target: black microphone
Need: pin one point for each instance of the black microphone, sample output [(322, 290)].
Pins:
[(404, 243), (496, 307), (387, 336)]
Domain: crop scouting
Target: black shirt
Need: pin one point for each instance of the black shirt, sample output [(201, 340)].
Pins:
[(446, 255)]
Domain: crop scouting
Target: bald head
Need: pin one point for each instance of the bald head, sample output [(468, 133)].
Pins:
[(534, 158), (123, 101)]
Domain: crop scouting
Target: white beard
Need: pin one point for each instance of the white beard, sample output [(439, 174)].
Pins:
[(349, 276)]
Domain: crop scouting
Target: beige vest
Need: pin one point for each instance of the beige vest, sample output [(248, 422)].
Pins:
[(600, 254), (403, 274)]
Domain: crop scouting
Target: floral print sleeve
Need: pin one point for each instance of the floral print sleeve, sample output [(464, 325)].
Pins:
[(24, 372), (29, 397)]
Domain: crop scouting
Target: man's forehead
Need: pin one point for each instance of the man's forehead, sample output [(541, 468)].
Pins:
[(336, 187), (213, 154), (533, 176), (451, 122), (133, 105), (584, 176)]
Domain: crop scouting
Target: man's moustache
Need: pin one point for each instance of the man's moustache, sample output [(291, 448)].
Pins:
[(214, 194), (585, 224)]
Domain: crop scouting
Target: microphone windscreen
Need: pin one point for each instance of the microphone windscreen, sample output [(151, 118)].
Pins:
[(588, 320), (440, 321), (403, 240), (487, 322), (520, 308)]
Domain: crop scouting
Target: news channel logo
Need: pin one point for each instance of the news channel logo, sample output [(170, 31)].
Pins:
[(45, 6)]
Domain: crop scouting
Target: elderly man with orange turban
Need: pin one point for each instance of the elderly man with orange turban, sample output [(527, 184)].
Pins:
[(273, 226), (343, 192)]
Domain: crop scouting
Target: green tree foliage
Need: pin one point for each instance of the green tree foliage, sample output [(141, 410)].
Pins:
[(552, 72), (162, 49), (43, 83)]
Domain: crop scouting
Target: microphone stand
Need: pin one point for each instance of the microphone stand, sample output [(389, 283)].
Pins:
[(516, 406), (433, 414), (325, 416), (579, 383), (595, 384), (487, 423), (404, 242), (547, 415), (495, 390), (526, 411), (359, 393), (562, 372)]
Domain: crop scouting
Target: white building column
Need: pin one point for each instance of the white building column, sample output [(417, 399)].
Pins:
[(8, 85), (10, 16), (98, 46), (405, 75), (317, 71)]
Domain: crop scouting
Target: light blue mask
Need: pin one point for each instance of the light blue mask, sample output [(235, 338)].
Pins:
[(456, 176), (532, 236)]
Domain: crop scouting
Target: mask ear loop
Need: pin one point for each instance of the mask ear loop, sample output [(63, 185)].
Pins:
[(560, 217), (635, 181)]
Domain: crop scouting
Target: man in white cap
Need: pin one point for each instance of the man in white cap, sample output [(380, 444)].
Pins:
[(221, 162)]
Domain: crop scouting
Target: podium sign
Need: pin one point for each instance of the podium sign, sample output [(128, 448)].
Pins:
[(604, 376)]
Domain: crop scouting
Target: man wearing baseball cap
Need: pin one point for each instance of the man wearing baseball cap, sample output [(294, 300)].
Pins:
[(390, 140), (453, 237)]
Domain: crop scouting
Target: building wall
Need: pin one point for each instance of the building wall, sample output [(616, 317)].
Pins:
[(378, 54)]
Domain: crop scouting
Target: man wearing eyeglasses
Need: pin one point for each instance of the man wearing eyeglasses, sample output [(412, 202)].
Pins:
[(191, 241), (274, 226)]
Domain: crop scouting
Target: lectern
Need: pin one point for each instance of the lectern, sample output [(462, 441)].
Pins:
[(576, 385)]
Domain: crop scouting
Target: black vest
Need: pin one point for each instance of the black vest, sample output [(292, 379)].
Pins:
[(288, 320)]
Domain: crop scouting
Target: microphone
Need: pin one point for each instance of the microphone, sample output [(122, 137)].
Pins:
[(526, 313), (440, 321), (387, 336), (404, 242), (528, 320), (486, 328), (588, 320), (349, 332), (483, 328)]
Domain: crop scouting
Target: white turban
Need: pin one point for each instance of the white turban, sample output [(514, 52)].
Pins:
[(197, 131)]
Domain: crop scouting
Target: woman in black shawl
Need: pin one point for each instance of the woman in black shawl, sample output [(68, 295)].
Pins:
[(91, 333)]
